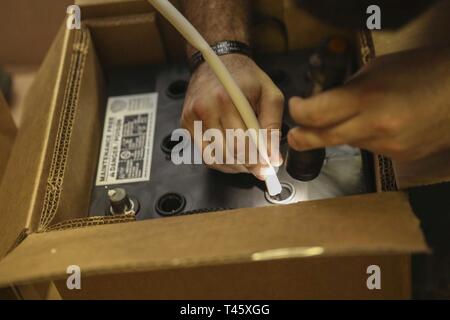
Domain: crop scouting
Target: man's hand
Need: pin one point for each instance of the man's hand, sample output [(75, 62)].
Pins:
[(398, 106), (207, 101)]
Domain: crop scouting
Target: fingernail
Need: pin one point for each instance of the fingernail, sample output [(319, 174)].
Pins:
[(244, 169), (259, 177), (276, 161), (292, 142), (258, 172)]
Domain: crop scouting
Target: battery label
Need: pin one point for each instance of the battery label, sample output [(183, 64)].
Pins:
[(127, 143)]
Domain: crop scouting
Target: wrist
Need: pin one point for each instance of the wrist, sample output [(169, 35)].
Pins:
[(232, 62), (222, 48), (190, 50)]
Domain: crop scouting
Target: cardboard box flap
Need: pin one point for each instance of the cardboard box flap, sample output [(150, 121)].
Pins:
[(174, 43), (373, 224), (25, 173), (107, 8)]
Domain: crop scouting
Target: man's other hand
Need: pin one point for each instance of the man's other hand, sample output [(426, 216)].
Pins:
[(398, 106)]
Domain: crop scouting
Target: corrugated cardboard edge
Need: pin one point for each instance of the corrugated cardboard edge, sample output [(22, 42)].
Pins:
[(370, 224), (90, 222), (64, 131), (81, 64), (24, 178), (87, 93)]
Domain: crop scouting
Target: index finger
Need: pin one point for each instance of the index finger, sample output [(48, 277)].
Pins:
[(325, 109)]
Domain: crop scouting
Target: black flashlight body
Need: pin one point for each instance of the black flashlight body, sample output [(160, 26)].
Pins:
[(305, 165), (328, 67)]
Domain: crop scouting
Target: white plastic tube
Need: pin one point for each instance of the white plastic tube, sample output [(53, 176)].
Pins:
[(241, 103)]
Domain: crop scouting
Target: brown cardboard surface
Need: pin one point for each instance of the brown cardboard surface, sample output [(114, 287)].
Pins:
[(272, 8), (29, 22), (40, 291), (313, 278), (369, 224), (306, 31), (25, 175), (173, 42), (127, 40), (108, 8), (8, 132), (8, 294)]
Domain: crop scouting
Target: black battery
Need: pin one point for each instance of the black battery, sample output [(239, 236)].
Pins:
[(187, 189)]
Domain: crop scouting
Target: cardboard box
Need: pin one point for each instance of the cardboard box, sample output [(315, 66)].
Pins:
[(318, 249)]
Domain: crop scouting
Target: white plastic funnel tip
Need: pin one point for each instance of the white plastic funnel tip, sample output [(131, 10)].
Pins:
[(273, 185)]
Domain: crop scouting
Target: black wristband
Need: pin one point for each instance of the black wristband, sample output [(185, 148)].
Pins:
[(221, 48)]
